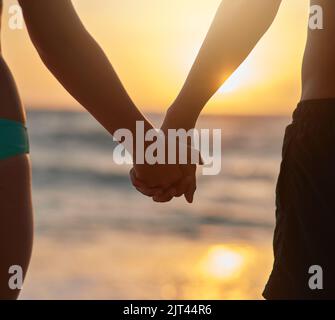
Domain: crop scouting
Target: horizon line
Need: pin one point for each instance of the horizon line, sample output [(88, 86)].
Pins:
[(63, 109)]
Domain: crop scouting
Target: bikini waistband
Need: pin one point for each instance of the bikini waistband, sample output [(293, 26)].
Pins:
[(13, 139)]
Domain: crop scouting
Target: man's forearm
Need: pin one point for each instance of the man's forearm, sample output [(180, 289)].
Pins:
[(236, 29)]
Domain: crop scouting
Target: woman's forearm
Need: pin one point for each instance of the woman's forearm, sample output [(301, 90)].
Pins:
[(79, 63), (236, 29), (85, 72)]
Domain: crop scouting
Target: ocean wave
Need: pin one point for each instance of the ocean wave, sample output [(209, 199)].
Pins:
[(53, 175), (188, 227)]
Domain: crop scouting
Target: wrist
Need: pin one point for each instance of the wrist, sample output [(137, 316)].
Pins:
[(180, 117)]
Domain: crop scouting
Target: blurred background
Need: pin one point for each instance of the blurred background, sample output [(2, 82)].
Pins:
[(95, 236)]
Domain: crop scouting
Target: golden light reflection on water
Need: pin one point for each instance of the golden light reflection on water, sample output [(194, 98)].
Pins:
[(140, 268), (222, 262), (228, 271)]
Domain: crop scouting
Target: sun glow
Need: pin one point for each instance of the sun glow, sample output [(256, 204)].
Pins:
[(242, 77)]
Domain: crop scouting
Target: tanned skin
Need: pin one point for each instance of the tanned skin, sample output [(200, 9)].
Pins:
[(16, 214), (318, 72)]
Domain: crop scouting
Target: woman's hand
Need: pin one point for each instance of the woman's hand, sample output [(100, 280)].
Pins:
[(162, 189), (163, 182)]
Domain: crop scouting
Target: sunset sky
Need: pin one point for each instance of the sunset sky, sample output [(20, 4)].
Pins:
[(152, 45)]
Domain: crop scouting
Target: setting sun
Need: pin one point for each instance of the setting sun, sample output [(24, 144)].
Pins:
[(241, 78)]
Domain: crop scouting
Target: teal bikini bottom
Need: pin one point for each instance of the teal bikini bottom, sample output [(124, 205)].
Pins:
[(13, 139)]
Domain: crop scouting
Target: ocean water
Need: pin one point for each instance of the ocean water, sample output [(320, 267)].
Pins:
[(97, 238)]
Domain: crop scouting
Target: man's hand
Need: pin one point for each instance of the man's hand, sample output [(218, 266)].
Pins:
[(163, 182), (186, 185), (150, 179)]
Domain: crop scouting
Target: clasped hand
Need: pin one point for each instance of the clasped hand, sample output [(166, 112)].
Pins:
[(163, 182)]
